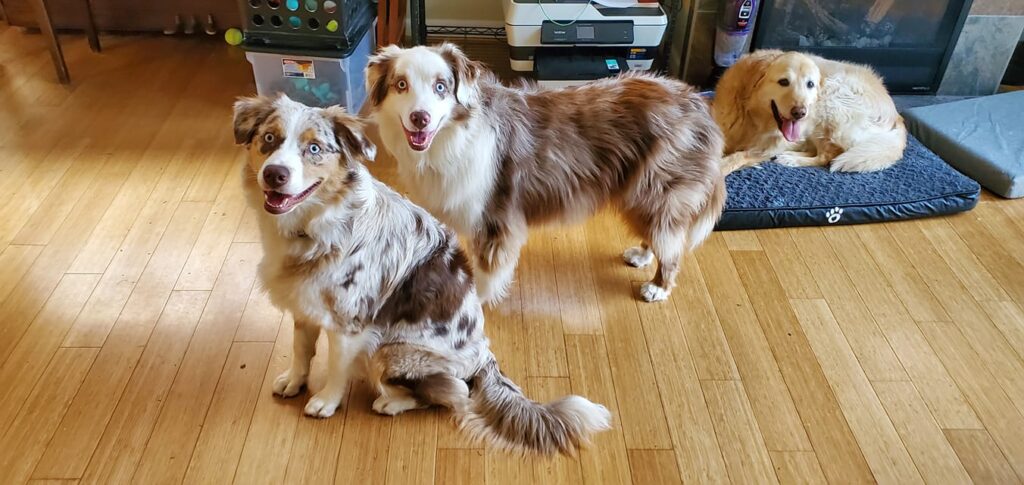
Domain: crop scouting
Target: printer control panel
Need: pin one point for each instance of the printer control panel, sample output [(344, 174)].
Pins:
[(603, 32)]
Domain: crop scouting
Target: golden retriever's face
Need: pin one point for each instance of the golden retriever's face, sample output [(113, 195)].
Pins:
[(788, 90), (297, 152)]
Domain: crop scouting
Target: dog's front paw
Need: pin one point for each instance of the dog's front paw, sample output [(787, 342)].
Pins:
[(652, 292), (391, 406), (323, 404), (289, 384), (638, 257), (788, 160)]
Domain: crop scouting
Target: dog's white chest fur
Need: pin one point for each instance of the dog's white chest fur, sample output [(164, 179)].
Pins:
[(454, 178)]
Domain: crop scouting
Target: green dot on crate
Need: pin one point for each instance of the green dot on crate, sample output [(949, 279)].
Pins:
[(292, 5), (332, 26), (233, 36)]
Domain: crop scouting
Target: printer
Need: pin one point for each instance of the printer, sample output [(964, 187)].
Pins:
[(567, 42)]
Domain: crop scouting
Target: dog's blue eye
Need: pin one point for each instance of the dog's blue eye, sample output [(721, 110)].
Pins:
[(783, 82), (810, 84), (269, 138), (401, 84), (314, 148), (439, 87)]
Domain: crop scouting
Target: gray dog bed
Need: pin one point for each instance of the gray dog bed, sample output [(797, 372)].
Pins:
[(920, 185), (981, 137)]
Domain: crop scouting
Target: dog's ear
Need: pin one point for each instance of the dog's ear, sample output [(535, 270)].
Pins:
[(350, 133), (465, 71), (737, 86), (250, 113), (378, 74)]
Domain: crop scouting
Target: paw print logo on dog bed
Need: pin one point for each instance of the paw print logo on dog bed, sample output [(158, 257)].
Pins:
[(834, 214)]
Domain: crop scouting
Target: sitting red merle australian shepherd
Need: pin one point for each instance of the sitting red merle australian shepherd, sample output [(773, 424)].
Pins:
[(491, 160), (385, 280)]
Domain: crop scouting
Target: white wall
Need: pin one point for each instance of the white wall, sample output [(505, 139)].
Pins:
[(480, 13)]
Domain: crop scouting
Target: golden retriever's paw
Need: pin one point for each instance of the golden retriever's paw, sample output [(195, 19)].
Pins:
[(638, 257), (323, 404), (289, 384), (391, 406), (652, 292), (791, 160)]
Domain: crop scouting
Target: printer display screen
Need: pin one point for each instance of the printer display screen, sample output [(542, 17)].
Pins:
[(585, 32)]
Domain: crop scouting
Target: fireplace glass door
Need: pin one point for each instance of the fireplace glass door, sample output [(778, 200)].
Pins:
[(908, 42)]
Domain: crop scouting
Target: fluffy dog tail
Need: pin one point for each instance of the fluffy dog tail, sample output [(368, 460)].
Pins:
[(709, 215), (876, 149), (499, 414)]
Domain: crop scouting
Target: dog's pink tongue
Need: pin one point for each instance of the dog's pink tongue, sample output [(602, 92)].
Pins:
[(418, 137), (277, 199), (791, 130)]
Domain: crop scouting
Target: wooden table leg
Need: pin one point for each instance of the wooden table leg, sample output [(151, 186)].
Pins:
[(90, 28), (46, 26)]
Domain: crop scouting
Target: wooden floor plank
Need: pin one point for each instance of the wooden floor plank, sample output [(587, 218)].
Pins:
[(996, 411), (935, 459), (606, 461), (873, 351), (260, 320), (84, 422), (24, 442), (797, 467), (981, 457), (1009, 318), (982, 285), (219, 447), (883, 449), (742, 445), (577, 291), (937, 387), (693, 432), (993, 256), (363, 457), (984, 336), (655, 467), (176, 431), (905, 280), (29, 359), (16, 260), (828, 431), (124, 438), (538, 290), (411, 455), (460, 467), (215, 238), (641, 417), (769, 396), (789, 264), (129, 262), (709, 348), (742, 240)]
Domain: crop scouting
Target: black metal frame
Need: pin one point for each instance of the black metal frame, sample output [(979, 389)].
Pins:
[(764, 17)]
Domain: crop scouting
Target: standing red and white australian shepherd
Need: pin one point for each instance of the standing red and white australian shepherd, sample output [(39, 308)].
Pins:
[(491, 160)]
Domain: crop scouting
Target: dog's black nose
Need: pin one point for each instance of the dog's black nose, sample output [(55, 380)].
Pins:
[(420, 119), (798, 112), (275, 176)]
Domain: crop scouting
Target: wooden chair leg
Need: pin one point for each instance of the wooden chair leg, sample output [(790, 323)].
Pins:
[(46, 26), (90, 28)]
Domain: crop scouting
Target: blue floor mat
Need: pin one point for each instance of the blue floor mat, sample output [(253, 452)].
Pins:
[(921, 185)]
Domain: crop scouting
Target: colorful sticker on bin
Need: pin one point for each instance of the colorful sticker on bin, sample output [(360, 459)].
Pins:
[(298, 68)]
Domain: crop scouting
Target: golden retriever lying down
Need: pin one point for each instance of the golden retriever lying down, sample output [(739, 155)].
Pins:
[(803, 110)]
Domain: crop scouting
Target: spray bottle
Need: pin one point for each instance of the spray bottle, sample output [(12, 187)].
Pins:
[(735, 23)]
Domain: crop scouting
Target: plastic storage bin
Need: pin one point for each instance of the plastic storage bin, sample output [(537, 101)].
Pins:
[(315, 80)]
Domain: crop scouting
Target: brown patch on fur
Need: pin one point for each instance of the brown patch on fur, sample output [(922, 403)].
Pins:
[(433, 290), (378, 76), (249, 115)]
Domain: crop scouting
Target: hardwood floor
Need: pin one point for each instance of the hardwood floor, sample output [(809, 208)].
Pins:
[(136, 347)]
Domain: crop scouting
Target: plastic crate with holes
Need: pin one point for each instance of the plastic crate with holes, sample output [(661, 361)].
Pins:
[(319, 66), (316, 25)]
